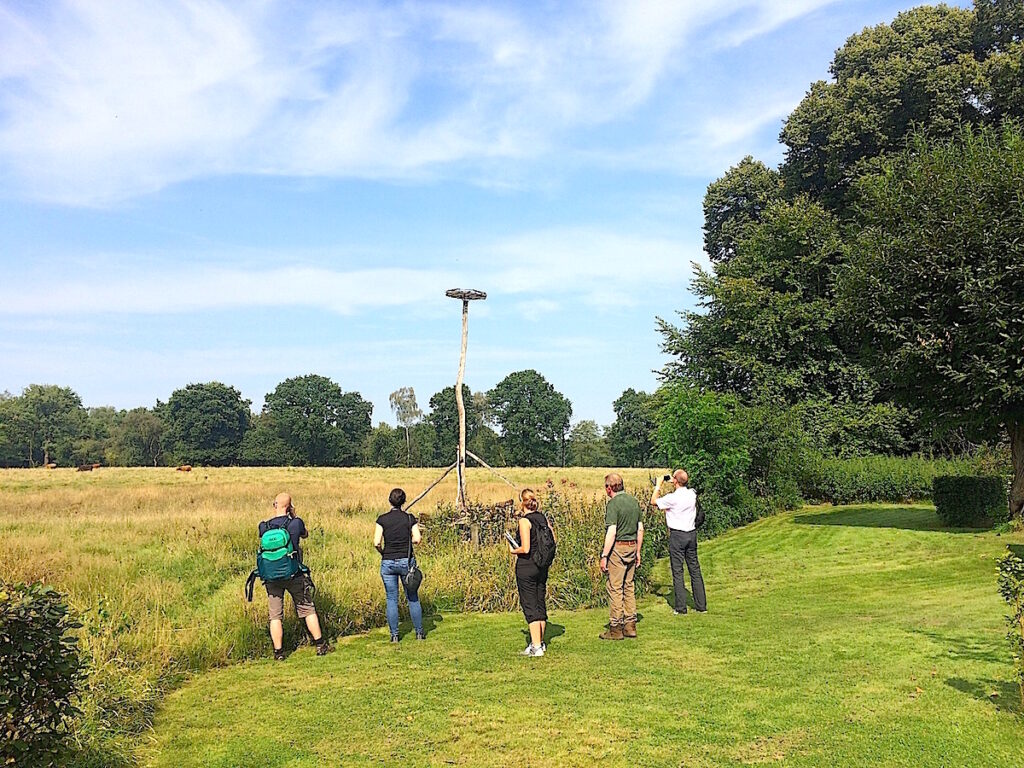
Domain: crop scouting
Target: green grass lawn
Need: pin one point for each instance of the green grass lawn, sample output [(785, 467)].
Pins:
[(857, 636)]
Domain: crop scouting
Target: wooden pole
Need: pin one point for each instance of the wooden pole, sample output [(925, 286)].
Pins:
[(460, 499)]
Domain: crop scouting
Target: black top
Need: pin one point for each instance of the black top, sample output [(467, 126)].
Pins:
[(294, 525), (537, 519), (397, 527)]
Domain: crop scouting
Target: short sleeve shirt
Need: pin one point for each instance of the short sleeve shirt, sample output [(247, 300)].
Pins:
[(680, 508), (397, 526), (294, 525), (623, 512)]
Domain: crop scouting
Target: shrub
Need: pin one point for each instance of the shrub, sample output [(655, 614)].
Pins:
[(1011, 587), (970, 501), (39, 673), (877, 478)]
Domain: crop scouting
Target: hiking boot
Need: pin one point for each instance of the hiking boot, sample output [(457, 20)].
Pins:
[(279, 654), (629, 630), (324, 648), (613, 633)]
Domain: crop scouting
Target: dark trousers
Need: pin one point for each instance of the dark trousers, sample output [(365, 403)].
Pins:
[(682, 547), (533, 586)]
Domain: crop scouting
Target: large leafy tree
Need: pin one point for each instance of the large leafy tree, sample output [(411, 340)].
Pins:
[(631, 436), (919, 71), (444, 417), (55, 419), (323, 425), (734, 204), (137, 439), (588, 446), (936, 282), (407, 413), (534, 419), (206, 423)]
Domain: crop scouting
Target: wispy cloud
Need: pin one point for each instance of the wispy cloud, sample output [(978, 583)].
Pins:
[(543, 267), (102, 102)]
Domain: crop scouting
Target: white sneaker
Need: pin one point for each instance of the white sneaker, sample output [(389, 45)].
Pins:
[(543, 647), (538, 651), (532, 650), (528, 651)]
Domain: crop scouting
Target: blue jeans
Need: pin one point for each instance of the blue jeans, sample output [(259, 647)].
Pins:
[(391, 572)]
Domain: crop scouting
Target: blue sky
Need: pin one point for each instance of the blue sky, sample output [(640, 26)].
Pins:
[(249, 191)]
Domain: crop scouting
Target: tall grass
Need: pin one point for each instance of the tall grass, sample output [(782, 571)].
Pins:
[(154, 562)]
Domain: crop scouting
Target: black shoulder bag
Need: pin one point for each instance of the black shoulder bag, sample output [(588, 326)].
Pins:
[(414, 577)]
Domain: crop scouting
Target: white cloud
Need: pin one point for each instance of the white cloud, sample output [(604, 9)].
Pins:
[(100, 102)]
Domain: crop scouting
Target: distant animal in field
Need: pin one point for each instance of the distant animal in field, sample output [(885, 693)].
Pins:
[(85, 467), (52, 465), (97, 465), (185, 468)]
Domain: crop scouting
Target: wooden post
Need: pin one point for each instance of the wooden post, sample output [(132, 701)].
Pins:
[(465, 296), (460, 499)]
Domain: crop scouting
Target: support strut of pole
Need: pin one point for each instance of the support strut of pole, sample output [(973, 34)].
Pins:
[(466, 296)]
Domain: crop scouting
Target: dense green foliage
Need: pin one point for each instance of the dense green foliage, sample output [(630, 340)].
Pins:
[(631, 436), (534, 419), (40, 670), (937, 277), (878, 478), (321, 425), (206, 423), (969, 501), (1011, 587)]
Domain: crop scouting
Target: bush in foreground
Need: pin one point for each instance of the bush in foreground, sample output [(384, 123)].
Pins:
[(1011, 587), (971, 502), (39, 673)]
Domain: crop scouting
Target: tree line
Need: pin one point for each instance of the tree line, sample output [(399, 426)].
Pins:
[(310, 421), (866, 293)]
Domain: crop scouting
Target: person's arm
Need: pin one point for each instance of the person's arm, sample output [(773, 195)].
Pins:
[(609, 542), (524, 538), (639, 540), (417, 537), (378, 538), (656, 493), (304, 534)]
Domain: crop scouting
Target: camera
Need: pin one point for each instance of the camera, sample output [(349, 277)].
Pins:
[(667, 478)]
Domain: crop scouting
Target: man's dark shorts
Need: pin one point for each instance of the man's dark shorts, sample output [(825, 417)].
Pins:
[(298, 588)]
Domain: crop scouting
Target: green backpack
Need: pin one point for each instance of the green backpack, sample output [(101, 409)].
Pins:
[(276, 559)]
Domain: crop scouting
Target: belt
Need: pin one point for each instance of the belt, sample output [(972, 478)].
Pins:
[(626, 541)]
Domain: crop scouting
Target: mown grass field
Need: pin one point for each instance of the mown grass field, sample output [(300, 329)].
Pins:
[(836, 636), (858, 636)]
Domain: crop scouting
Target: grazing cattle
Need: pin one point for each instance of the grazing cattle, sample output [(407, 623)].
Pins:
[(52, 465), (85, 467), (185, 468)]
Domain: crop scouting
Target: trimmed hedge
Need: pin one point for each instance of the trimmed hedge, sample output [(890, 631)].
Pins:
[(877, 478), (971, 501), (39, 673)]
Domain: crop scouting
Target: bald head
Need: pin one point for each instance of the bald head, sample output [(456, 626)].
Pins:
[(681, 477), (283, 503)]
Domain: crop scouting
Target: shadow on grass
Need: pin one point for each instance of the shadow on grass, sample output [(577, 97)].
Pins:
[(962, 647), (550, 633), (430, 622), (904, 518), (999, 693)]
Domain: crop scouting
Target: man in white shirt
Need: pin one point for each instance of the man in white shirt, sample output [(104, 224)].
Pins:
[(680, 508)]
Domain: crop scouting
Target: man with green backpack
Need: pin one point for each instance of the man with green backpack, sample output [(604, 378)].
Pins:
[(279, 565)]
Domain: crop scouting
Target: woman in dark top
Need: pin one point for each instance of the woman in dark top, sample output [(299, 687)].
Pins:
[(531, 580), (393, 537)]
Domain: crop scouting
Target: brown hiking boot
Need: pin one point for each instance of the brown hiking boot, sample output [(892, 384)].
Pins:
[(613, 633), (629, 630)]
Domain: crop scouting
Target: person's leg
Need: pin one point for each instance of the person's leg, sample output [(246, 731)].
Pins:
[(275, 604), (304, 608), (677, 563), (536, 634), (700, 600), (542, 589), (629, 592), (415, 609), (390, 579), (616, 580)]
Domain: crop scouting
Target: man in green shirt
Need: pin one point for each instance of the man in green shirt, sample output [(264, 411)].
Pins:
[(624, 536)]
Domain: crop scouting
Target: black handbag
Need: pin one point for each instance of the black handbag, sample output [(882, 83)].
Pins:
[(414, 577)]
